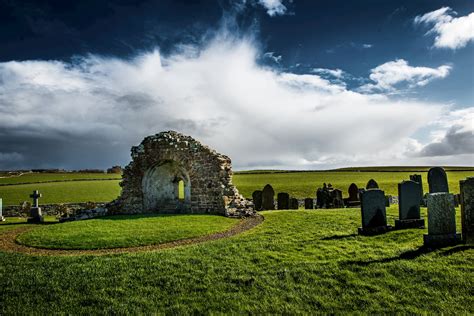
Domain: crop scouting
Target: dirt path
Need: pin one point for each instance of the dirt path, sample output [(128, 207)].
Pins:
[(8, 242)]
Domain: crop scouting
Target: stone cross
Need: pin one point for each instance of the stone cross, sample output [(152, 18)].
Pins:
[(35, 196), (467, 209), (437, 180)]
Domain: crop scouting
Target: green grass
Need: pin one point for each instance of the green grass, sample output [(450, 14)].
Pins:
[(17, 222), (298, 184), (124, 231), (62, 192), (295, 262), (45, 177)]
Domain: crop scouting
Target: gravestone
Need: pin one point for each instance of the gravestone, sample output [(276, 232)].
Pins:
[(283, 201), (36, 215), (268, 198), (294, 204), (308, 204), (337, 200), (2, 219), (437, 180), (457, 200), (418, 179), (353, 199), (257, 200), (467, 209), (441, 221), (374, 218), (409, 206), (388, 199), (372, 184)]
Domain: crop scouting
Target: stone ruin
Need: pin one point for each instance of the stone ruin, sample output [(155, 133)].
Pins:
[(173, 173)]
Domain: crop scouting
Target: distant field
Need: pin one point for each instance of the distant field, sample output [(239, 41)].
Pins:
[(45, 177), (298, 184)]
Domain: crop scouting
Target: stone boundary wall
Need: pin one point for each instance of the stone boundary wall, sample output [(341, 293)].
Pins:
[(50, 209)]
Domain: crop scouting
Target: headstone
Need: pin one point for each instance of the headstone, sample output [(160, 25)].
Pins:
[(388, 200), (257, 200), (2, 218), (337, 200), (418, 179), (35, 211), (353, 199), (437, 180), (457, 200), (308, 204), (467, 209), (294, 204), (268, 198), (372, 184), (374, 218), (409, 206), (441, 221), (283, 201)]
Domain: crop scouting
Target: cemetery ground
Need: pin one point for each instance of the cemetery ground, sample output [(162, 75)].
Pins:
[(295, 261)]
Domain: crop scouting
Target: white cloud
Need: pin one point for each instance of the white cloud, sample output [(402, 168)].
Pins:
[(337, 73), (387, 76), (273, 7), (367, 45), (451, 32), (89, 113)]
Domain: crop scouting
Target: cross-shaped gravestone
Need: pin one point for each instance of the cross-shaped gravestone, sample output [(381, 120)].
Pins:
[(35, 196)]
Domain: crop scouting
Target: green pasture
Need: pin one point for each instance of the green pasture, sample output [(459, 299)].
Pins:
[(45, 177), (297, 184), (295, 262), (124, 231)]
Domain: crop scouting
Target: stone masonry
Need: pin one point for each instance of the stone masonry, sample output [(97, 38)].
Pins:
[(166, 160)]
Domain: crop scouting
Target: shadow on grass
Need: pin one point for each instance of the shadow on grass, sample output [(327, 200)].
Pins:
[(412, 254), (337, 237)]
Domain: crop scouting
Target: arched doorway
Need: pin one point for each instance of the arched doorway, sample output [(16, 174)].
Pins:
[(166, 188)]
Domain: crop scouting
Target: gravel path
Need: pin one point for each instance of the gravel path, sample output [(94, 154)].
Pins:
[(8, 242)]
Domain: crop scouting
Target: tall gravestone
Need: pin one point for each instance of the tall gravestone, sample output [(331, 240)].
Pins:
[(374, 218), (467, 209), (338, 201), (308, 204), (372, 184), (441, 221), (2, 218), (418, 179), (283, 201), (437, 180), (36, 215), (268, 198), (294, 204), (353, 199), (409, 206), (257, 200)]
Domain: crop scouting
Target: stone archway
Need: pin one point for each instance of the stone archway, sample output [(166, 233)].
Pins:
[(150, 182), (160, 187)]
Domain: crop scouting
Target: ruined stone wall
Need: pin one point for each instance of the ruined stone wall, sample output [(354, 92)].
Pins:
[(209, 174)]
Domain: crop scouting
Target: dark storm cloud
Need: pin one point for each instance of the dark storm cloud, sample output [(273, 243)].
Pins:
[(456, 141)]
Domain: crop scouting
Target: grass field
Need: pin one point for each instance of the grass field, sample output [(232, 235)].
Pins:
[(298, 184), (46, 177), (124, 231), (294, 262)]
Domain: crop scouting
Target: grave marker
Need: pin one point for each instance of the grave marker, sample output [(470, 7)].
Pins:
[(374, 218), (308, 204), (283, 201), (467, 209), (437, 180), (2, 218), (294, 204), (257, 200), (35, 211), (372, 184), (418, 179), (353, 199), (441, 221), (409, 206), (268, 198)]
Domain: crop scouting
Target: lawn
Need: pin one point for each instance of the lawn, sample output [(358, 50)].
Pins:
[(298, 184), (47, 177), (124, 231), (294, 262)]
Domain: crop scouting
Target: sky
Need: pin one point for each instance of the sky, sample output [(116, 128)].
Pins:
[(273, 84)]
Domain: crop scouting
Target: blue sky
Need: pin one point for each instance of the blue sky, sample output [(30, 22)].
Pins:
[(273, 84)]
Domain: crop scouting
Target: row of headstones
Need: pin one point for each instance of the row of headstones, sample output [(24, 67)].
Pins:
[(326, 197), (441, 211)]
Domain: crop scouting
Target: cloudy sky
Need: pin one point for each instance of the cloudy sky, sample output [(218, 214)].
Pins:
[(270, 83)]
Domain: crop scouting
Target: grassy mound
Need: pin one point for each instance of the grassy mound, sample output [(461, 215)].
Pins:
[(295, 262), (124, 231)]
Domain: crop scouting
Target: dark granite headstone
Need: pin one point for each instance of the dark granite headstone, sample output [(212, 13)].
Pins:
[(441, 221), (372, 184), (268, 198), (337, 199), (374, 218), (437, 180), (353, 199), (409, 206), (467, 209), (257, 200), (293, 204), (283, 201), (308, 204), (418, 179)]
